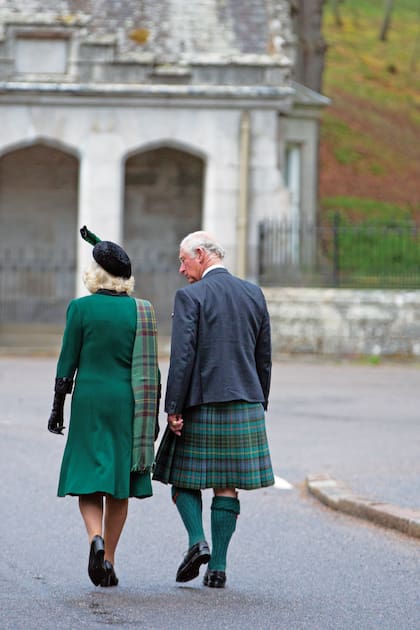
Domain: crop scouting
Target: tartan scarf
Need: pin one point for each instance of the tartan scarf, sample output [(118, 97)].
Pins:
[(145, 381)]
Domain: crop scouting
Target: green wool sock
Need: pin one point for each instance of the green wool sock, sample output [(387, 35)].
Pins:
[(190, 507), (224, 513)]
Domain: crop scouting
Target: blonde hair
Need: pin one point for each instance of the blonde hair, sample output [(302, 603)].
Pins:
[(95, 277)]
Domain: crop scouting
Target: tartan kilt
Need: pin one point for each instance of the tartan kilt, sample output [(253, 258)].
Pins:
[(222, 445)]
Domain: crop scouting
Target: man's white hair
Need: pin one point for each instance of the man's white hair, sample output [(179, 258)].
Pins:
[(202, 240)]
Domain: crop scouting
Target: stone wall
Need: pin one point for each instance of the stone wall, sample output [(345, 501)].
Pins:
[(152, 41), (345, 322)]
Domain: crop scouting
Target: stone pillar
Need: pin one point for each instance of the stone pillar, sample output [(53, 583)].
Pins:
[(243, 200), (100, 195), (221, 187), (220, 206), (268, 195)]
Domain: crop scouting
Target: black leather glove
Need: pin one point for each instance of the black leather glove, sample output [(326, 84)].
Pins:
[(157, 427), (62, 387)]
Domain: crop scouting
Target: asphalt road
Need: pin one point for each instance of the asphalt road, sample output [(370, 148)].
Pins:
[(359, 423), (293, 564)]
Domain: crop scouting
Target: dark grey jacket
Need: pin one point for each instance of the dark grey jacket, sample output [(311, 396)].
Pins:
[(221, 346)]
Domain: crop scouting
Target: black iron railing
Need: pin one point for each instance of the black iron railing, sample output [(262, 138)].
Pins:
[(338, 254), (35, 286)]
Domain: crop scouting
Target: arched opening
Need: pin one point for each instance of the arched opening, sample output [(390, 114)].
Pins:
[(163, 203), (38, 214)]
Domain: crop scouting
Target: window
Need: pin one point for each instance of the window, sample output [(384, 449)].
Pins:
[(35, 55)]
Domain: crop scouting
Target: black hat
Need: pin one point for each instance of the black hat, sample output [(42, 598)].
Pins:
[(108, 255)]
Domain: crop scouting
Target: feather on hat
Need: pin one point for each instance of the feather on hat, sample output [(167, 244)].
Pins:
[(108, 255)]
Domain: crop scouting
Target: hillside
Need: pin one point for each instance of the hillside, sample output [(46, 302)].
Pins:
[(370, 134)]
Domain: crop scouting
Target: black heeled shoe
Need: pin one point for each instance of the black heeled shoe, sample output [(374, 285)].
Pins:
[(96, 566), (110, 578)]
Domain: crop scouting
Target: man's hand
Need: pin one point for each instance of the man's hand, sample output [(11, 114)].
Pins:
[(175, 423)]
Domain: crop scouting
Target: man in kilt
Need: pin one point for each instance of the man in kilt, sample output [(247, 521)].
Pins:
[(216, 395)]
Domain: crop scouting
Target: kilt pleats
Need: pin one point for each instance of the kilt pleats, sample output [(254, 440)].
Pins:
[(222, 445)]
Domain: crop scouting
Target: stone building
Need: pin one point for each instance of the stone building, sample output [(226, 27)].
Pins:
[(144, 120)]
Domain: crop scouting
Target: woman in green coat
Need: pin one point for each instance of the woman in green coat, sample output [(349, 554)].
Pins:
[(110, 344)]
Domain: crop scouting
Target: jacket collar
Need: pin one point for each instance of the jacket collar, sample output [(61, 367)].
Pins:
[(214, 268)]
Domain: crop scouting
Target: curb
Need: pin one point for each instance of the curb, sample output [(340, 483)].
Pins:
[(337, 496)]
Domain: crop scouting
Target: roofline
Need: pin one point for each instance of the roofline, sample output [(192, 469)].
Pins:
[(260, 96), (307, 96)]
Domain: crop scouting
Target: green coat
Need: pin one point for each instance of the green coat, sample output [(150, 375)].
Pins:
[(98, 344)]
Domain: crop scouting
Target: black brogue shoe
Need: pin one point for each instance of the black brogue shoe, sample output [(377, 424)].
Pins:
[(214, 579), (196, 555)]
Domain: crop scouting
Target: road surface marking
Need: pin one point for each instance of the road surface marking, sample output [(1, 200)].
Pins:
[(281, 483)]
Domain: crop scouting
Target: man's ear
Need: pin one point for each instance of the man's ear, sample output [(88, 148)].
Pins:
[(200, 254)]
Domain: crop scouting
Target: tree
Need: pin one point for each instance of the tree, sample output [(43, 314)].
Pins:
[(386, 22), (337, 12), (307, 21)]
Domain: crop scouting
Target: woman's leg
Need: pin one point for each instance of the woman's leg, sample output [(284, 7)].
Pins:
[(91, 509), (115, 517)]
